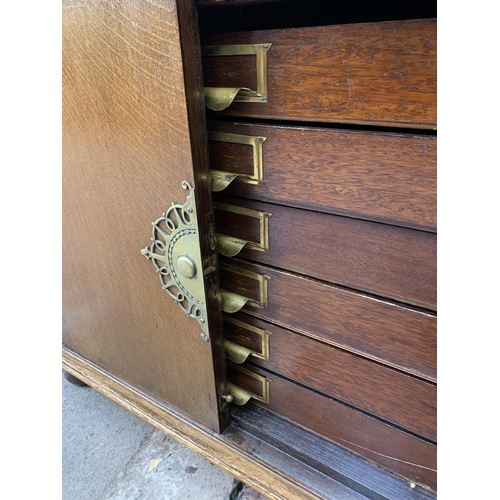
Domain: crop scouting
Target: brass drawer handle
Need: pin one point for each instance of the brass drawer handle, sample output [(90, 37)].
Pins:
[(221, 178), (233, 302), (230, 246), (219, 98), (240, 395), (245, 333)]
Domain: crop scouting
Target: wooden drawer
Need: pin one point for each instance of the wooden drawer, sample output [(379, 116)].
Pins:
[(394, 335), (392, 448), (372, 73), (384, 260), (369, 175), (393, 396)]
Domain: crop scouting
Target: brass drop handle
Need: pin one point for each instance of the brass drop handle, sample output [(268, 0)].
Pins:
[(220, 98), (233, 302), (239, 396), (229, 246)]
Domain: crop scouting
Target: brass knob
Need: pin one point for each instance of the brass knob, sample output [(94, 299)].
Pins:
[(228, 397), (186, 266)]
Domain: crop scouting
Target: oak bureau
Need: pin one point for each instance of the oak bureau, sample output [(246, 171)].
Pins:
[(249, 222)]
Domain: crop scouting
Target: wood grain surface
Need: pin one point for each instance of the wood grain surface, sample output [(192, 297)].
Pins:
[(394, 335), (385, 445), (381, 391), (376, 176), (370, 73), (333, 460), (129, 141), (384, 260)]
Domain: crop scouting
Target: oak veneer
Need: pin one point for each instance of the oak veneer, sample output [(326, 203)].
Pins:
[(133, 130)]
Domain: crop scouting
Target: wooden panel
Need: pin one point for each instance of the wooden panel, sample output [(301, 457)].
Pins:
[(372, 73), (127, 147), (376, 176), (389, 261), (385, 445), (384, 392), (390, 333)]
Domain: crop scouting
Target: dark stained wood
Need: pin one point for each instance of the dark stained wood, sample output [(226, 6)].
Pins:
[(229, 223), (242, 285), (384, 392), (333, 460), (388, 261), (371, 73), (129, 140), (385, 445), (193, 83), (241, 335), (376, 176), (268, 470), (389, 333), (245, 381)]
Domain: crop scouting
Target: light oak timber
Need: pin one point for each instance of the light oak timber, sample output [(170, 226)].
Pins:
[(133, 131)]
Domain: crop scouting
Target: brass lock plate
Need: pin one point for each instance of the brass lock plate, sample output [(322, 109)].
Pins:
[(175, 253)]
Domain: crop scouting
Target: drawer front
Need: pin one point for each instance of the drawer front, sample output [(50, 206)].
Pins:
[(375, 176), (389, 333), (388, 261), (382, 443), (372, 73), (393, 396)]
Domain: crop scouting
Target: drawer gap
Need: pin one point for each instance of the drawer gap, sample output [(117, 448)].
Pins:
[(248, 120)]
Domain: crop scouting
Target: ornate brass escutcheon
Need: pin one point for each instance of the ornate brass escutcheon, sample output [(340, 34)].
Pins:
[(175, 253)]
